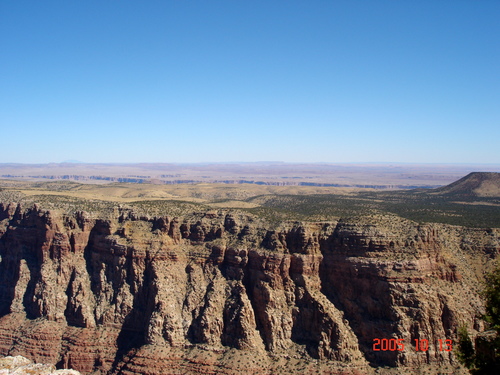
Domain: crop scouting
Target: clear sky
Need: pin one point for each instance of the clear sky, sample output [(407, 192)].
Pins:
[(212, 81)]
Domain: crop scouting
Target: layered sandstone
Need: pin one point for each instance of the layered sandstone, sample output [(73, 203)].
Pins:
[(222, 292)]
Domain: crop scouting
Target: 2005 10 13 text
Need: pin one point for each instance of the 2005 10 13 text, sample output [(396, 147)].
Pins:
[(421, 345)]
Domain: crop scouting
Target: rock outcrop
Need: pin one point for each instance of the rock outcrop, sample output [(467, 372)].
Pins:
[(218, 292), (19, 365)]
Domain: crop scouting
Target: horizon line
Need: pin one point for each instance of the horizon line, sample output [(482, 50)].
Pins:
[(74, 162)]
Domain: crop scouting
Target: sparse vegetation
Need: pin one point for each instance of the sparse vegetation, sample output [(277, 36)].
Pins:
[(485, 357), (273, 204), (465, 350)]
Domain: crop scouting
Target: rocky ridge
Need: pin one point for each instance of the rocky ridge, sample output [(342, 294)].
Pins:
[(475, 184), (219, 291)]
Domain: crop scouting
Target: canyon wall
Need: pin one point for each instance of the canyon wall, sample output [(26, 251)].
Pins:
[(221, 291)]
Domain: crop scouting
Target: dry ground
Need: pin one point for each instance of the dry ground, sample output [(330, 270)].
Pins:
[(218, 195)]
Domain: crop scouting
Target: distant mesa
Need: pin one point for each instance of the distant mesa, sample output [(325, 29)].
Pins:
[(475, 184)]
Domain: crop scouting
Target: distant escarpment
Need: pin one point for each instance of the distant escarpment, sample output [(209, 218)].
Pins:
[(222, 292), (170, 180)]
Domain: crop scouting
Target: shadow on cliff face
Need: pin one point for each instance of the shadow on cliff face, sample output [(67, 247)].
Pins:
[(366, 305), (28, 300), (305, 331), (105, 270), (91, 263), (131, 336), (20, 265), (133, 331), (10, 263)]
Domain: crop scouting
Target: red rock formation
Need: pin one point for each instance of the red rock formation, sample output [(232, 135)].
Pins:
[(132, 294)]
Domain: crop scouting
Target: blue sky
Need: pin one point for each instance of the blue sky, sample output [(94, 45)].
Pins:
[(213, 81)]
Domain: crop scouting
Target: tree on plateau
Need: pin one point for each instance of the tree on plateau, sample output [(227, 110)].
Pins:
[(484, 356)]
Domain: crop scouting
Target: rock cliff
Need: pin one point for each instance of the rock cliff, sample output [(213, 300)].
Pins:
[(222, 292)]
